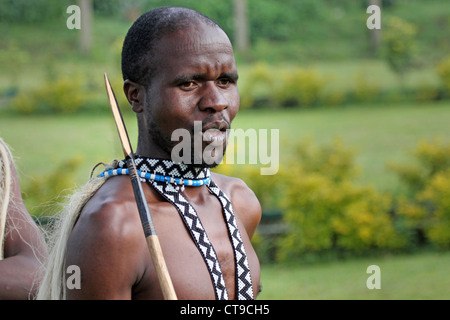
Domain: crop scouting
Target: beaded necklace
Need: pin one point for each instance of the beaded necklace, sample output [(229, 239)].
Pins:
[(156, 177)]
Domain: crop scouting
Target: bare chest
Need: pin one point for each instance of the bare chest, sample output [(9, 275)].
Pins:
[(187, 265)]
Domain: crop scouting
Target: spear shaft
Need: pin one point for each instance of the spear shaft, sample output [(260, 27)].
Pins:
[(144, 211)]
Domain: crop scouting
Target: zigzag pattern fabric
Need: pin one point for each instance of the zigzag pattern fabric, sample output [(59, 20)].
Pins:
[(171, 193), (243, 277)]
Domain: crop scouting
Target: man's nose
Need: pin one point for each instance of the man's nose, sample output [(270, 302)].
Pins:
[(213, 99)]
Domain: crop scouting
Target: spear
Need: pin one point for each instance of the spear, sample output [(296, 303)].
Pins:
[(144, 211)]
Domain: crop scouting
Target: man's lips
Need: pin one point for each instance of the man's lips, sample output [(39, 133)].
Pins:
[(214, 135), (221, 125), (215, 131)]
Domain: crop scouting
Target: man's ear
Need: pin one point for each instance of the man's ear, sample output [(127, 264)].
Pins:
[(135, 94)]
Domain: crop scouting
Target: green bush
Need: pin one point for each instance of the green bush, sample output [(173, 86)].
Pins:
[(278, 87), (299, 87), (267, 188), (322, 208), (257, 86), (430, 158), (436, 196), (325, 210), (292, 86), (24, 103), (61, 95), (443, 70), (426, 205), (427, 92), (332, 160), (324, 215), (333, 97), (399, 40)]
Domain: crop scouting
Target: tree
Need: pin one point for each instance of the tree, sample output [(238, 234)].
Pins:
[(399, 37), (375, 33), (241, 28), (87, 9)]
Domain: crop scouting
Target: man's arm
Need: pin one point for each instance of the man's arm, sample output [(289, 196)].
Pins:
[(107, 244)]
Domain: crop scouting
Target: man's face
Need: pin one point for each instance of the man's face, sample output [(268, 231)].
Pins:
[(196, 80)]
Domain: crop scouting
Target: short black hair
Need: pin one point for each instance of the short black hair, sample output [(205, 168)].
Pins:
[(138, 47)]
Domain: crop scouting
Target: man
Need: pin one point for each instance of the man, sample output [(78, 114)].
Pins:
[(22, 250), (179, 71)]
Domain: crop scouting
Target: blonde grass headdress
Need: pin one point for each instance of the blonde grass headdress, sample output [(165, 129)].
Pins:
[(53, 286)]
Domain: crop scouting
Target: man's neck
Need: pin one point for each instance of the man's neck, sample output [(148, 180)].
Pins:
[(152, 151)]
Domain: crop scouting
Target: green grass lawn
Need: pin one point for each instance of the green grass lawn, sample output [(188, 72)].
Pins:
[(409, 277), (377, 134)]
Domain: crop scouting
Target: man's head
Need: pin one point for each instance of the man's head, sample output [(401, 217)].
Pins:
[(138, 55), (179, 69)]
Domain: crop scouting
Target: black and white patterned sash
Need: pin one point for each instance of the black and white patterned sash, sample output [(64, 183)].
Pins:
[(171, 192)]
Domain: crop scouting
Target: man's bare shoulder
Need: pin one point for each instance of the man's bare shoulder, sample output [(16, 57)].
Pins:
[(228, 182), (107, 243), (245, 203), (112, 208)]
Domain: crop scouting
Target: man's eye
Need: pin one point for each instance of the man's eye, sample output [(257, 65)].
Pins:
[(188, 85), (224, 82)]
